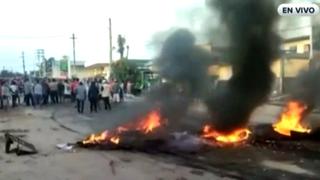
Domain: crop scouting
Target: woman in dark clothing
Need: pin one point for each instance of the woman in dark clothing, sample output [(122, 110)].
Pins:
[(93, 96)]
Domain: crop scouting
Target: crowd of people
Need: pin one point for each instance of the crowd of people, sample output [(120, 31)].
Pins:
[(42, 92)]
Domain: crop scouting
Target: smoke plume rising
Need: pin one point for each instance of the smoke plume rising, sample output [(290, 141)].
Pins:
[(253, 47), (184, 66), (307, 88)]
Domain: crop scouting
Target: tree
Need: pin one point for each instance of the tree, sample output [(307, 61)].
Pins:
[(121, 45), (122, 70)]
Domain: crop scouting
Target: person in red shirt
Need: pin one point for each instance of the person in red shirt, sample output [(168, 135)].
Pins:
[(73, 87)]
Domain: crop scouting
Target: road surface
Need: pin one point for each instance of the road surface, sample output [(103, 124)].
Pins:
[(60, 124)]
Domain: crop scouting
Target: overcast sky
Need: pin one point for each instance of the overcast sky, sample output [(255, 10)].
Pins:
[(27, 25)]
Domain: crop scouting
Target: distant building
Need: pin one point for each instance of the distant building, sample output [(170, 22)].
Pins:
[(58, 70), (95, 70)]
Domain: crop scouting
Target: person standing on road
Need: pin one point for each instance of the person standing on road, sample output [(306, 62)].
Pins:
[(20, 90), (106, 95), (73, 87), (28, 91), (14, 93), (116, 92), (67, 90), (46, 92), (129, 87), (93, 96), (5, 95), (38, 92), (61, 91), (99, 85), (121, 92), (81, 95), (54, 91)]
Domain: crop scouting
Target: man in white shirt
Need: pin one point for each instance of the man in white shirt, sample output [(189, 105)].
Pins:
[(14, 93), (105, 94), (38, 93)]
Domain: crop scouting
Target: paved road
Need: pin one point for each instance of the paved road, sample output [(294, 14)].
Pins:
[(121, 113), (61, 123), (55, 164), (88, 123)]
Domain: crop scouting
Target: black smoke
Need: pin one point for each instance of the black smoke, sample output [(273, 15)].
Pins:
[(183, 66), (306, 88), (253, 46)]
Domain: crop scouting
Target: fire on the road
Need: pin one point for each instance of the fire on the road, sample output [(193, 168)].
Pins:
[(238, 135), (145, 125), (291, 119), (148, 124)]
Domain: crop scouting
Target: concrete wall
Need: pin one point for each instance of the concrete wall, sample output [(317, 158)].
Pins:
[(292, 67)]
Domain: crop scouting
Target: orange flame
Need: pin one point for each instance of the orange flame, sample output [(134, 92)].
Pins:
[(291, 119), (115, 140), (146, 125), (238, 135), (96, 137)]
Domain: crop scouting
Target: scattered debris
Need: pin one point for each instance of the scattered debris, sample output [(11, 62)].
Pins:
[(112, 166), (10, 139), (65, 146)]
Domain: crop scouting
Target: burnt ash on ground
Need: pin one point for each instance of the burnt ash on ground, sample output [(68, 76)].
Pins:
[(266, 155)]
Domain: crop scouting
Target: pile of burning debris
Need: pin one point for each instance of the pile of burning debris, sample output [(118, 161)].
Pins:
[(150, 134)]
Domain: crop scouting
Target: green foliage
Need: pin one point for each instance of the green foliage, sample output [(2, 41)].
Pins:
[(123, 71), (121, 42)]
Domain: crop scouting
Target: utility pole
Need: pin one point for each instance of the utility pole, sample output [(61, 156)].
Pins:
[(110, 41), (110, 45), (24, 65), (74, 52)]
